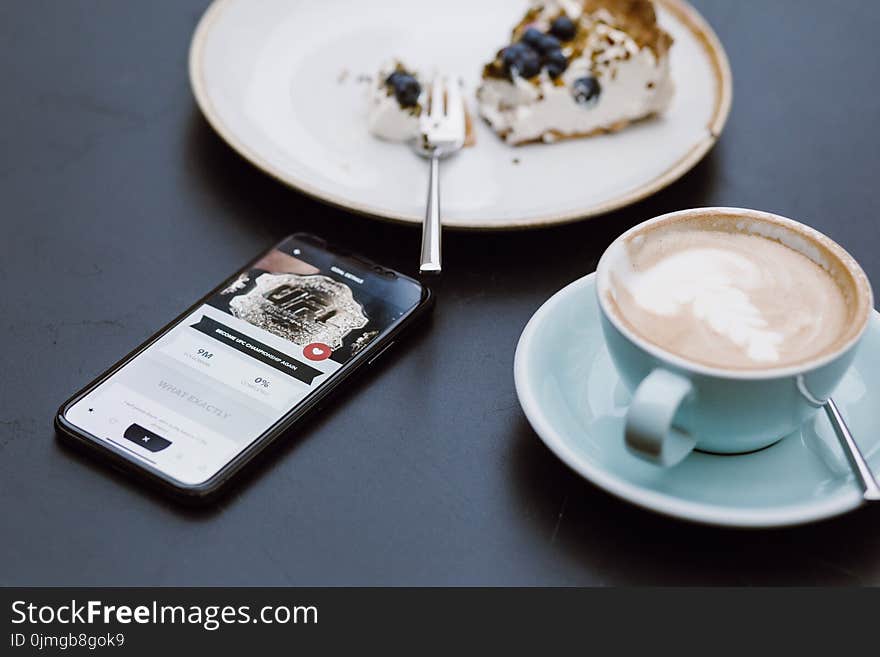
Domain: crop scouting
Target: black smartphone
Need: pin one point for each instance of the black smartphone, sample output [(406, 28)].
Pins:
[(200, 399)]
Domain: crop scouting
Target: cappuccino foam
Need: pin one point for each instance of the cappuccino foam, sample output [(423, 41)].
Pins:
[(727, 298)]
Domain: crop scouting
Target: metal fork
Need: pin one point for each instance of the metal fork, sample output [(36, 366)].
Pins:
[(442, 133)]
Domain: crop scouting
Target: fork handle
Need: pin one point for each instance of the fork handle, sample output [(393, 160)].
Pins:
[(431, 226)]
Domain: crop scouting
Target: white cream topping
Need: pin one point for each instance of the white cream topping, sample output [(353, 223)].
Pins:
[(386, 119)]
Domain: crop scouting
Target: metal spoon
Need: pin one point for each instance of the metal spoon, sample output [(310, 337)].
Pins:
[(870, 488), (857, 462)]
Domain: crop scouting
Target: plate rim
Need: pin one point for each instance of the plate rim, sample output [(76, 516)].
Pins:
[(683, 10), (662, 503)]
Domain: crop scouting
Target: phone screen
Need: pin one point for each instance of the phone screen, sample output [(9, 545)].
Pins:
[(219, 379)]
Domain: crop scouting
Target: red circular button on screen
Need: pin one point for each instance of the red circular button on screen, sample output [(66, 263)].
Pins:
[(317, 351)]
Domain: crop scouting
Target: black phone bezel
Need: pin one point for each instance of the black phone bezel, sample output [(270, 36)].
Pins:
[(208, 490)]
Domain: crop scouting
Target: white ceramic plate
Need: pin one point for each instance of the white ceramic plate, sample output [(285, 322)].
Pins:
[(278, 80), (573, 398)]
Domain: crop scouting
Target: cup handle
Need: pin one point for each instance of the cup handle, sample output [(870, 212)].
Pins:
[(649, 432)]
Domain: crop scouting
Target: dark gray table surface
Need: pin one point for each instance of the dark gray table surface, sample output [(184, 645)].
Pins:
[(120, 207)]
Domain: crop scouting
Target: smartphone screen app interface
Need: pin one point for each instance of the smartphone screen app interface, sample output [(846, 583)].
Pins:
[(216, 381)]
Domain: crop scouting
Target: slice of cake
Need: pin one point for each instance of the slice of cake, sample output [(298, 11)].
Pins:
[(576, 68), (395, 103)]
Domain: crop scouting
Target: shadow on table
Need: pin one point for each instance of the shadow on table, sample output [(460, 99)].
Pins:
[(629, 545), (264, 204)]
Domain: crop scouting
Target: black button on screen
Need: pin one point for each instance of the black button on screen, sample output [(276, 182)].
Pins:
[(146, 438)]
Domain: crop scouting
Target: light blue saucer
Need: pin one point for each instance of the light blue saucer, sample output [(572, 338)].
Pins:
[(574, 400)]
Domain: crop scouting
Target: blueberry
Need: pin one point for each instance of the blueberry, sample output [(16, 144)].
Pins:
[(521, 59), (406, 88), (586, 91), (537, 40), (563, 28), (547, 43), (555, 62), (512, 52), (532, 36)]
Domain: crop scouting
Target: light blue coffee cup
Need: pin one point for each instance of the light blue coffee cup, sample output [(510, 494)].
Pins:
[(679, 405)]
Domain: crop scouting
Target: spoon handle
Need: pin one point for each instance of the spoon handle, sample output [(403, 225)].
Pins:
[(853, 454)]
